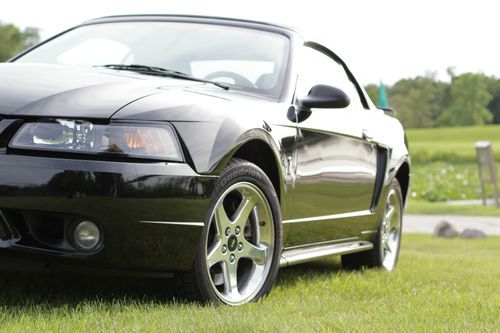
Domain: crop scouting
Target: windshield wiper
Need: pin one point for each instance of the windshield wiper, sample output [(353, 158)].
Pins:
[(152, 70)]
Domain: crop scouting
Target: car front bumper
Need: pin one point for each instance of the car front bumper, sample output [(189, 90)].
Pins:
[(150, 214)]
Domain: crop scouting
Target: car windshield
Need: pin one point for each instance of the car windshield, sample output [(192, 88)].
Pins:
[(243, 58)]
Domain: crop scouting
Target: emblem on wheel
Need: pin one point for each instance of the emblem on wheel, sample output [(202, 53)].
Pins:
[(232, 243)]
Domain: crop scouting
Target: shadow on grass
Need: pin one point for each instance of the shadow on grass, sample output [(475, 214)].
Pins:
[(51, 291), (25, 290), (298, 274)]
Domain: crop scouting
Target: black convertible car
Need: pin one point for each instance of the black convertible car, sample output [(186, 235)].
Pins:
[(160, 145)]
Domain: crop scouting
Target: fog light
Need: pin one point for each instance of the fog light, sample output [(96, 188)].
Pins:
[(86, 235)]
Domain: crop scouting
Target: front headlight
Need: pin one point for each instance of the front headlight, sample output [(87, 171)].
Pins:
[(153, 141)]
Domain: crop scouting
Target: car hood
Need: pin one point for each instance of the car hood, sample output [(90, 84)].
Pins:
[(62, 91)]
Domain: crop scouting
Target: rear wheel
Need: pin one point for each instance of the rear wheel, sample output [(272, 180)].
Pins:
[(385, 252), (238, 256)]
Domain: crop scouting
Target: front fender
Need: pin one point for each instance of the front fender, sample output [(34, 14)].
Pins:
[(210, 145)]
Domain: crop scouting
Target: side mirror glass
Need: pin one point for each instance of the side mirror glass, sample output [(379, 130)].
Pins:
[(325, 97)]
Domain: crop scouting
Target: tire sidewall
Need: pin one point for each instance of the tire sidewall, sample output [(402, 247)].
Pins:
[(380, 250), (239, 171)]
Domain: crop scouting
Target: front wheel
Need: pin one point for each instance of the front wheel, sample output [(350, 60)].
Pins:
[(385, 251), (238, 256)]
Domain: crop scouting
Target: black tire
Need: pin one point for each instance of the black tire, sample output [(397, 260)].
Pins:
[(242, 176), (378, 256)]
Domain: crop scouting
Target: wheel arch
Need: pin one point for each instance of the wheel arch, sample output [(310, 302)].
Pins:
[(403, 177), (258, 147), (259, 153), (209, 146)]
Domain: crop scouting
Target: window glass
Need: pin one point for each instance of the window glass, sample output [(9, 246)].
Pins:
[(84, 54), (255, 71), (247, 59)]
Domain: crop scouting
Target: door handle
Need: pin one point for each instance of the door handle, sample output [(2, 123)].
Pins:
[(289, 166), (366, 135)]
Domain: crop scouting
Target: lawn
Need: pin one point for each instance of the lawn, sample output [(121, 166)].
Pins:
[(444, 168), (440, 285), (444, 181), (451, 144), (442, 208)]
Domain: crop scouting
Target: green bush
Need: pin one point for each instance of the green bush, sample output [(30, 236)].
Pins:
[(444, 162), (441, 181)]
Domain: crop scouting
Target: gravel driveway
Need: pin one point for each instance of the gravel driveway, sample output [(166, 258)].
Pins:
[(490, 225)]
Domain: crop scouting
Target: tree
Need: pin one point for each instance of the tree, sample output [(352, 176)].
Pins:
[(418, 101), (469, 101), (372, 91), (13, 40), (31, 37), (494, 105)]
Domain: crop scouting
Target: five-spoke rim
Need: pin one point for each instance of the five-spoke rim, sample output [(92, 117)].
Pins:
[(391, 231), (240, 243)]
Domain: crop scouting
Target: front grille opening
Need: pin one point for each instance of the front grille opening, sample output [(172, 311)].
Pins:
[(5, 232), (48, 229)]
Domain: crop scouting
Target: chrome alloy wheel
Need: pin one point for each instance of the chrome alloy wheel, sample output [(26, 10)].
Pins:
[(391, 231), (240, 243)]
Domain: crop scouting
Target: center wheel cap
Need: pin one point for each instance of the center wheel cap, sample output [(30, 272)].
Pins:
[(232, 243)]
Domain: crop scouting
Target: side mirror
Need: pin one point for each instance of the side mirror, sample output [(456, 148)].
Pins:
[(325, 97)]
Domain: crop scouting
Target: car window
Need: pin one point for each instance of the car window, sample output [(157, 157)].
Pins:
[(247, 59), (318, 68), (83, 54), (260, 73)]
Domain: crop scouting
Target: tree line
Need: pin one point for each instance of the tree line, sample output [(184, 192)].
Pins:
[(13, 40), (468, 99)]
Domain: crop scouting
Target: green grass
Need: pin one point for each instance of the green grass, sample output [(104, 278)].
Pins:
[(451, 144), (425, 207), (444, 168), (439, 286), (441, 181)]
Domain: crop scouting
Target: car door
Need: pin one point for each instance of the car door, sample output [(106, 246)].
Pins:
[(336, 161)]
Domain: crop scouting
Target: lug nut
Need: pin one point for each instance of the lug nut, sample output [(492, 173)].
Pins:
[(237, 230), (228, 231), (224, 248), (231, 258), (240, 246)]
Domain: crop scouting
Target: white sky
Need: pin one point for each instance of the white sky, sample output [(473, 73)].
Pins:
[(379, 39)]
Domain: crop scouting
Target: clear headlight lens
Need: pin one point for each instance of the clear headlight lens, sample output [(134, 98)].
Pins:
[(135, 140)]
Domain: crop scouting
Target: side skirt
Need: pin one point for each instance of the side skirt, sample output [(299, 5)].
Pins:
[(301, 255)]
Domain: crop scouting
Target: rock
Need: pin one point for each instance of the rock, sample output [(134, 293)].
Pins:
[(472, 233), (444, 229)]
